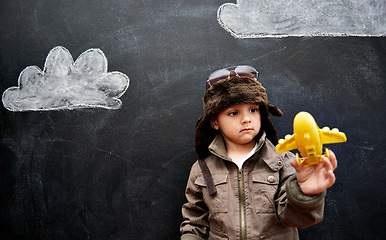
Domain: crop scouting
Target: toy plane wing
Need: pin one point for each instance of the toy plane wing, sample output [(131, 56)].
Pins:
[(331, 136), (287, 144)]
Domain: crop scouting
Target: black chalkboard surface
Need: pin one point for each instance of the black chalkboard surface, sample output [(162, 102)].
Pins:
[(118, 169)]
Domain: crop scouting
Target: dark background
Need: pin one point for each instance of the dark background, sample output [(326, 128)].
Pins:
[(121, 174)]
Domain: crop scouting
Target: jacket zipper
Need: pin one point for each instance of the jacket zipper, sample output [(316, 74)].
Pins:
[(243, 226)]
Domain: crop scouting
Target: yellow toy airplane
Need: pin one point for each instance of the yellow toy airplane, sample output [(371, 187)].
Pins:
[(308, 139)]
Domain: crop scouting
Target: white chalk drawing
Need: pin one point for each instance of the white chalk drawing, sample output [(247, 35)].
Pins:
[(284, 18), (65, 84)]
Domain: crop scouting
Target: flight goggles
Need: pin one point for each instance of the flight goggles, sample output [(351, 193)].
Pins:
[(240, 71)]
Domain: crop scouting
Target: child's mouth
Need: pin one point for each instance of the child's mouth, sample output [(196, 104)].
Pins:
[(247, 130)]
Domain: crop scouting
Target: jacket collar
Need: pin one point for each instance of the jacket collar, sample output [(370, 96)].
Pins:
[(270, 157), (218, 148)]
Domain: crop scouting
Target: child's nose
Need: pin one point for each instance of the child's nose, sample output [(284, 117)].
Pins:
[(246, 118)]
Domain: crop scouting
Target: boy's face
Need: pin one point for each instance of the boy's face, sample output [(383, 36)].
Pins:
[(239, 124)]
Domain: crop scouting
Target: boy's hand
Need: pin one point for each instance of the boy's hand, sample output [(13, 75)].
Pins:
[(317, 178)]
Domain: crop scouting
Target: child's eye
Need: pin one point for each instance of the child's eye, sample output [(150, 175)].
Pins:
[(254, 110), (233, 113)]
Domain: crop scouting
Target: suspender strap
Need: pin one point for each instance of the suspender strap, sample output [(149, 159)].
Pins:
[(207, 177)]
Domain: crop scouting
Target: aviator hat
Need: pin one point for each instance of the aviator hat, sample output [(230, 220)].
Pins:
[(231, 86)]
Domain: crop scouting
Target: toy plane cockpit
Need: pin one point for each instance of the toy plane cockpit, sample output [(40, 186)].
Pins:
[(308, 138)]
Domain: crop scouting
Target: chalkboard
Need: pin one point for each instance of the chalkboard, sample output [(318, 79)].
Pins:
[(117, 168)]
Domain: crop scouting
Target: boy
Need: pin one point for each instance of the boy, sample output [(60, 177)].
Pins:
[(240, 188)]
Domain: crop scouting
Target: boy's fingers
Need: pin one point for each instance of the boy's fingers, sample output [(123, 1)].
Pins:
[(332, 159), (327, 164), (332, 178), (294, 164), (293, 161)]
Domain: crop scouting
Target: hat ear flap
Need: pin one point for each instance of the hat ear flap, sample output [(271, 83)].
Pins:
[(204, 134), (267, 124), (274, 110)]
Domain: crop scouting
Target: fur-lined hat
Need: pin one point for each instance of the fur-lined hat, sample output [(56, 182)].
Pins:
[(231, 91)]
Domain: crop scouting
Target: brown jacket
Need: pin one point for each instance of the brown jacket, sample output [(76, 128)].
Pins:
[(260, 201)]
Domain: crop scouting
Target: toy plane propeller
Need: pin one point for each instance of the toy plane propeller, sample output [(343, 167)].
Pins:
[(308, 138)]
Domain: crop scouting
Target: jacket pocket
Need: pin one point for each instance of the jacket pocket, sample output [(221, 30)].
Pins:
[(263, 190), (217, 235), (286, 233), (218, 202)]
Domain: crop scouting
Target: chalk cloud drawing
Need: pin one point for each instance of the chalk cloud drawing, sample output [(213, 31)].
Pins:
[(284, 18), (65, 84)]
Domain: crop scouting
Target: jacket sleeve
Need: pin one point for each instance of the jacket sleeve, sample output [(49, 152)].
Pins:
[(294, 208), (195, 213)]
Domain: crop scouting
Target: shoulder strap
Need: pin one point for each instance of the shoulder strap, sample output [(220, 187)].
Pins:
[(207, 177)]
